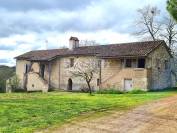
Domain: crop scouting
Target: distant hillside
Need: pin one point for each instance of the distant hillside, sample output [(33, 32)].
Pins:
[(5, 73)]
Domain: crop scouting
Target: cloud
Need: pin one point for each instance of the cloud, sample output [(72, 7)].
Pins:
[(21, 5), (26, 25), (88, 15)]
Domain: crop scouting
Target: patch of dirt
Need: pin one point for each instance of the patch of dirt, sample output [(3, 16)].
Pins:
[(156, 117)]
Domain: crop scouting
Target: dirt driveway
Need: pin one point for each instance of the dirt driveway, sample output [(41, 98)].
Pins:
[(156, 117)]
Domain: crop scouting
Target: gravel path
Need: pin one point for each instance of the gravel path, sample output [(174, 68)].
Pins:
[(156, 117)]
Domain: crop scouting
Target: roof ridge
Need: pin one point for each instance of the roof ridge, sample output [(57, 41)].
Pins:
[(113, 50)]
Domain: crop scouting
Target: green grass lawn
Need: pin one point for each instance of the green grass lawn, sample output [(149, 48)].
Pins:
[(28, 112)]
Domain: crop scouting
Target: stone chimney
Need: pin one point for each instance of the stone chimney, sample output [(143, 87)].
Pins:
[(73, 43)]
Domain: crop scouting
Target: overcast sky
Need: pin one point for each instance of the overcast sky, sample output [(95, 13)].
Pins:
[(25, 25)]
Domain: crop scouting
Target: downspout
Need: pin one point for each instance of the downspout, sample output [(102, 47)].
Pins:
[(151, 77), (59, 76), (100, 75), (49, 71)]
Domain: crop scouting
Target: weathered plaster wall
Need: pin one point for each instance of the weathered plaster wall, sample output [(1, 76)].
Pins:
[(65, 75), (161, 77), (20, 70), (54, 81), (114, 74), (36, 83)]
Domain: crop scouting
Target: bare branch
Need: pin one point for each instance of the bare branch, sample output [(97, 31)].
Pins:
[(85, 69), (147, 22)]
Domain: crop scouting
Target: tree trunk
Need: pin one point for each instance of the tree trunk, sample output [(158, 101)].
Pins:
[(90, 90)]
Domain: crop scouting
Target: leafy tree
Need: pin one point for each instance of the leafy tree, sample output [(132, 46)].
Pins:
[(5, 73), (14, 83), (172, 8)]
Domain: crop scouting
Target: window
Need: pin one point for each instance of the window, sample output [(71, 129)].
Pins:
[(128, 63), (98, 82), (166, 64), (71, 62), (42, 70), (158, 63), (26, 68), (141, 63)]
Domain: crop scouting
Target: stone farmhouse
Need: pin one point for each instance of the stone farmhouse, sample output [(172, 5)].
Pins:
[(137, 65)]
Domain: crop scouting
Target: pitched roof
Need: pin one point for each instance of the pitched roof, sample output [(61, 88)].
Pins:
[(134, 49)]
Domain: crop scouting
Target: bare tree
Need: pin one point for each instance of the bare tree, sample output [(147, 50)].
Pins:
[(85, 69), (169, 32), (87, 43), (147, 23)]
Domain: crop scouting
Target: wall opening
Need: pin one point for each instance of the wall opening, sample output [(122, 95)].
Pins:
[(42, 70), (70, 84), (128, 63), (141, 63)]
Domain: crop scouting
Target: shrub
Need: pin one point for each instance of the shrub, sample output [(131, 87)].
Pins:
[(137, 91), (164, 90), (14, 83), (109, 91)]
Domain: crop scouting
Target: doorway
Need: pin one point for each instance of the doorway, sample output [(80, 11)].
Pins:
[(128, 84), (70, 84)]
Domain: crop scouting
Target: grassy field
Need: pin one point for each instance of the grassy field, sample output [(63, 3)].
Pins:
[(28, 112)]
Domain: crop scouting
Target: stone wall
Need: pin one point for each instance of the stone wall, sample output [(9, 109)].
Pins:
[(113, 73), (65, 75), (36, 83), (161, 77), (20, 70)]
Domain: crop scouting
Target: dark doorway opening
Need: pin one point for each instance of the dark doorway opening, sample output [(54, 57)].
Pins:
[(141, 63), (42, 70), (70, 84)]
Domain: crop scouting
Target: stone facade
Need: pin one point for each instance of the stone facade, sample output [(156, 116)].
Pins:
[(160, 63), (156, 73)]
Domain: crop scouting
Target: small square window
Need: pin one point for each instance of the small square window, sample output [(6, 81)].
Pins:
[(128, 63)]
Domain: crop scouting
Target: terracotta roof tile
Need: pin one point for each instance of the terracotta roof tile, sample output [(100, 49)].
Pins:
[(104, 51)]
